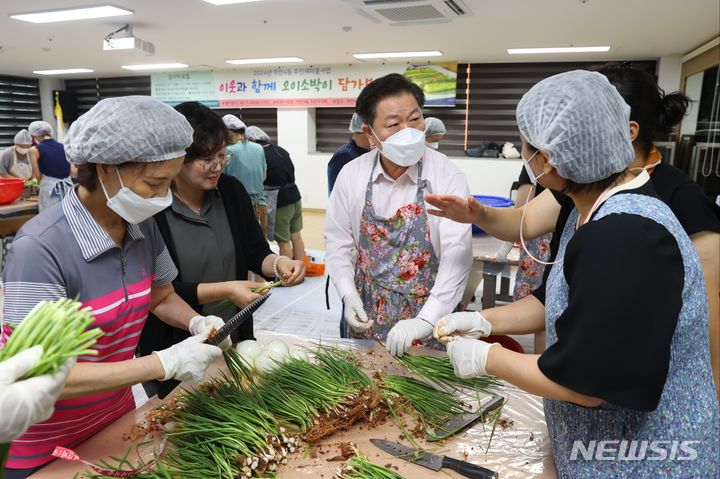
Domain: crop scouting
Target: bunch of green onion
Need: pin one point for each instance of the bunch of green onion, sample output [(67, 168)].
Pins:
[(267, 287), (440, 371), (298, 391), (434, 407), (61, 329), (360, 467), (226, 435), (343, 365)]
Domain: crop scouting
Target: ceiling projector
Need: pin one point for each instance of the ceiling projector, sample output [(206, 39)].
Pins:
[(127, 43)]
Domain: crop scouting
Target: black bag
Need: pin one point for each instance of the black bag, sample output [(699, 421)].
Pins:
[(487, 149)]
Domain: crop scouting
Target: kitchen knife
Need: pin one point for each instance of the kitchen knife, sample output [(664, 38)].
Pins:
[(433, 461), (166, 387), (236, 321), (462, 421)]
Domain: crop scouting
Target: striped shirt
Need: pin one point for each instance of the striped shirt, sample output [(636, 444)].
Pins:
[(65, 253)]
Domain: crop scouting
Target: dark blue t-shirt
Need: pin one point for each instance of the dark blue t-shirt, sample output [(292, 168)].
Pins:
[(52, 160), (344, 155)]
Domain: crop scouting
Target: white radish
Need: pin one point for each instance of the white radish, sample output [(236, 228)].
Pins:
[(267, 360), (248, 350), (297, 352), (278, 346)]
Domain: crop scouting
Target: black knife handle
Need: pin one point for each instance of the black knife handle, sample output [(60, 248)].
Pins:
[(467, 469)]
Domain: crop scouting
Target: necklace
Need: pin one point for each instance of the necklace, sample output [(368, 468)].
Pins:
[(194, 209)]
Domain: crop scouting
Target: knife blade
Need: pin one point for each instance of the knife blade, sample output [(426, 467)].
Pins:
[(236, 321), (166, 387), (433, 461), (457, 423)]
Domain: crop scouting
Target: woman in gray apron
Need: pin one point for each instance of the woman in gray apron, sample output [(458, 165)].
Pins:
[(15, 161), (626, 377)]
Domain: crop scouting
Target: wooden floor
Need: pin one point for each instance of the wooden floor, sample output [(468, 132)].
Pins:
[(312, 232)]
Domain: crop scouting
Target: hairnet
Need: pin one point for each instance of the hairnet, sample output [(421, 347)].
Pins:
[(256, 134), (580, 120), (22, 137), (233, 123), (356, 124), (131, 128), (40, 128), (434, 126)]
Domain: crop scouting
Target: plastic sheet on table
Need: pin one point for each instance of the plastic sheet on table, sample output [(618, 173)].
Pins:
[(520, 446)]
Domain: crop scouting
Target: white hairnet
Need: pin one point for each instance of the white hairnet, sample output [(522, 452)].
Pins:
[(356, 124), (131, 128), (580, 120), (433, 126), (233, 123), (256, 134), (40, 128), (22, 137)]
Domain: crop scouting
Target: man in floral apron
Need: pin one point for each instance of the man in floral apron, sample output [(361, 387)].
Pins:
[(397, 269)]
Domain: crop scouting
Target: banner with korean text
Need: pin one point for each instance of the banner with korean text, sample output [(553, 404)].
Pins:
[(298, 86)]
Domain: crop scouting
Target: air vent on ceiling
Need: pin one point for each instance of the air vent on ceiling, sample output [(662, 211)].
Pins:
[(411, 12)]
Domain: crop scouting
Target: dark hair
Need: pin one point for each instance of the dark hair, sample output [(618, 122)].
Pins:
[(655, 112), (209, 132), (381, 88), (87, 175), (572, 187)]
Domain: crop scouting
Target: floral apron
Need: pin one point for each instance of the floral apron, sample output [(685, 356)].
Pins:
[(688, 408), (396, 264), (529, 274)]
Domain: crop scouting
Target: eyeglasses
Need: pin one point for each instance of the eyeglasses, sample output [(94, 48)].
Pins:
[(209, 163)]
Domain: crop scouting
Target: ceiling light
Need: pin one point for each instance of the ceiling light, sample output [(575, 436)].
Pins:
[(522, 51), (229, 2), (254, 61), (155, 66), (370, 56), (62, 72), (69, 14)]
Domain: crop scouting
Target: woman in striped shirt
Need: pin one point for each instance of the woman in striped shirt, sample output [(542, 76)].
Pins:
[(102, 247)]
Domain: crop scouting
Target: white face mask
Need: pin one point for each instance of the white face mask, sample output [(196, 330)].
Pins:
[(434, 145), (528, 169), (404, 148), (132, 207), (522, 222), (533, 180), (22, 151)]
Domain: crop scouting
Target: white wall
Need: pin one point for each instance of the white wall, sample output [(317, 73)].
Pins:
[(296, 133), (670, 73), (47, 101), (693, 89)]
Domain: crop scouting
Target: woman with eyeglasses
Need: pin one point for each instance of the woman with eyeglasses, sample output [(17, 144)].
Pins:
[(213, 236)]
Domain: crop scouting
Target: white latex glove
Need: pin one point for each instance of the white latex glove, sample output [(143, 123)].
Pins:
[(402, 335), (469, 356), (188, 359), (355, 314), (26, 402), (467, 324), (205, 324)]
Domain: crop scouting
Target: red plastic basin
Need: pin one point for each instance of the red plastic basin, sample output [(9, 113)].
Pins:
[(506, 342), (10, 189)]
